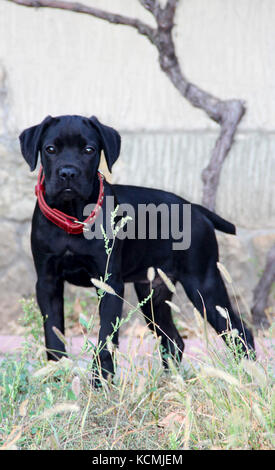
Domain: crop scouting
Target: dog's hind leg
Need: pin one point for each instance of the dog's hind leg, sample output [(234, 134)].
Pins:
[(206, 290), (158, 316)]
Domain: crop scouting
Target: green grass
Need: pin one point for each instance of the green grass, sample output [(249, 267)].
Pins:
[(214, 402)]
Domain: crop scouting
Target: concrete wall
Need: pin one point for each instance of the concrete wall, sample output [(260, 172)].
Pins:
[(58, 62)]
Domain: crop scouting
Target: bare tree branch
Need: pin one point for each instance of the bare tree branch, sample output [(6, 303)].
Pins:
[(225, 113), (231, 113), (76, 7), (151, 5)]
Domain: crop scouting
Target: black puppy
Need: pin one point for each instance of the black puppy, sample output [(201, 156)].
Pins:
[(70, 148)]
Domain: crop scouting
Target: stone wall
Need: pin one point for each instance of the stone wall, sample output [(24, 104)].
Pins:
[(56, 62)]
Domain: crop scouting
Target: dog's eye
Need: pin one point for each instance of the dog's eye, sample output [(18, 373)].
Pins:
[(50, 149), (89, 150)]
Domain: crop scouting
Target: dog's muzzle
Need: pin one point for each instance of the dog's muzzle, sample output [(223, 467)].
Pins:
[(62, 220)]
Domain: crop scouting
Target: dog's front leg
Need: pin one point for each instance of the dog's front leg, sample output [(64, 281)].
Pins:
[(49, 292), (110, 313)]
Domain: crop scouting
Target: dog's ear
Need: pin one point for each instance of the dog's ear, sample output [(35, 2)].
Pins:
[(110, 141), (30, 141)]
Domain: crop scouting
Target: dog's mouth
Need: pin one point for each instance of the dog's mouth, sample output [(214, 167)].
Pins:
[(67, 191), (63, 194), (67, 194)]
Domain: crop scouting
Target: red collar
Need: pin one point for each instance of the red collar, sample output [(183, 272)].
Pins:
[(64, 221)]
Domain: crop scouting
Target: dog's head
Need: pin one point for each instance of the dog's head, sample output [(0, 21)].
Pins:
[(70, 148)]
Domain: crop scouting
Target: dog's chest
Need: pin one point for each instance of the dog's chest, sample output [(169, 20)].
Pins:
[(71, 260), (77, 269), (68, 254)]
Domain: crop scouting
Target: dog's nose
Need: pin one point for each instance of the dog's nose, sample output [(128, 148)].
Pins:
[(67, 173)]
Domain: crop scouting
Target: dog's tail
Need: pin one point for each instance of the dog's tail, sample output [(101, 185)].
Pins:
[(218, 222)]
